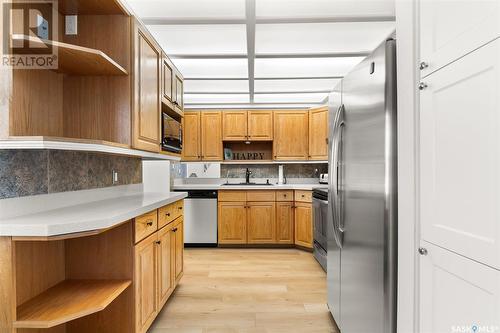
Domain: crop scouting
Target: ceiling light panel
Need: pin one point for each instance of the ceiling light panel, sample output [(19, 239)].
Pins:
[(320, 37), (323, 8), (216, 98), (304, 67), (212, 68), (209, 86), (295, 85), (189, 9), (290, 98), (201, 39)]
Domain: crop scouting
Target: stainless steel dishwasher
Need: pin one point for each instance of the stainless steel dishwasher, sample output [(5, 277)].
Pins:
[(200, 218)]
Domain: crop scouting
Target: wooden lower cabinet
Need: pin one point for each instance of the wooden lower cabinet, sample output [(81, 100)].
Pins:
[(159, 262), (303, 224), (261, 222), (284, 223), (232, 223)]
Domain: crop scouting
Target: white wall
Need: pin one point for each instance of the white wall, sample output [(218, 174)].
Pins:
[(407, 146), (156, 176)]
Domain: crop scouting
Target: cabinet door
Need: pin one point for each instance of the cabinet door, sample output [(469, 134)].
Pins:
[(460, 156), (191, 142), (284, 223), (179, 249), (167, 80), (147, 93), (232, 223), (260, 125), (261, 222), (211, 135), (234, 125), (291, 135), (451, 29), (166, 258), (145, 282), (318, 138), (179, 93), (457, 293), (303, 224)]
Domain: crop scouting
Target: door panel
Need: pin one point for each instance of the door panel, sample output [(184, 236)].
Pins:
[(232, 223), (261, 222), (211, 135), (445, 37), (234, 125), (457, 293), (191, 143), (460, 156), (318, 137), (145, 276), (303, 224), (165, 263), (260, 125), (167, 80), (284, 223), (291, 132), (179, 249)]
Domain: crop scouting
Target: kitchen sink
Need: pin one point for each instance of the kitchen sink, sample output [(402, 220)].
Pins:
[(247, 184)]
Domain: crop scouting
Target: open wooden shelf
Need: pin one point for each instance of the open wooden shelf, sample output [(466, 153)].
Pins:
[(78, 60), (68, 300)]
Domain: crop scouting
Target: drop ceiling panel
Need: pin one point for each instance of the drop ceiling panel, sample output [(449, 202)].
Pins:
[(304, 67), (320, 37), (223, 86), (212, 68), (201, 39), (216, 98), (290, 98), (295, 85), (179, 9), (323, 8)]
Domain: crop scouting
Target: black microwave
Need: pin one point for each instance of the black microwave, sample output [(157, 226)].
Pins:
[(171, 134)]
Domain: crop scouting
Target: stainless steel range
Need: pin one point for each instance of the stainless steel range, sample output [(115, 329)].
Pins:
[(320, 225)]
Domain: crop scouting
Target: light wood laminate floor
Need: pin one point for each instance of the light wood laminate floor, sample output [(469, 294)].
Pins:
[(248, 291)]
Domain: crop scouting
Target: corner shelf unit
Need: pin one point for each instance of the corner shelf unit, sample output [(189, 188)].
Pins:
[(77, 60), (68, 300)]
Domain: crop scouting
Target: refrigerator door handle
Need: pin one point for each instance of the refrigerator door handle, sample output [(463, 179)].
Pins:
[(340, 171), (335, 177)]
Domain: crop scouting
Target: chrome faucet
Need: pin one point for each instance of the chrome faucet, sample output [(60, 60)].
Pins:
[(247, 176)]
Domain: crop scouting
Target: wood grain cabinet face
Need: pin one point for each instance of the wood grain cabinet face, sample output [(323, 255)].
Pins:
[(179, 249), (166, 259), (261, 222), (303, 224), (260, 125), (145, 283), (232, 223), (211, 136), (284, 223), (291, 132), (234, 125), (318, 134), (167, 80), (178, 99), (147, 93), (191, 143)]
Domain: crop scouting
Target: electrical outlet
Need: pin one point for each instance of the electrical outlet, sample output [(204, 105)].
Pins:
[(115, 177), (71, 26)]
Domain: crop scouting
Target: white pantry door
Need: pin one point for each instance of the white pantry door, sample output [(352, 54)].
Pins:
[(460, 156), (449, 29), (457, 293)]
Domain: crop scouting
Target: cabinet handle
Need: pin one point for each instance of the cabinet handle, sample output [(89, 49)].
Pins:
[(174, 229), (423, 65), (149, 223), (180, 208), (158, 242), (422, 85), (284, 195), (422, 251), (167, 214), (303, 195)]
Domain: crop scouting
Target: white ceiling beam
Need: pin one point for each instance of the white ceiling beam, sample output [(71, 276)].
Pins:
[(276, 20), (257, 93), (261, 78), (271, 55), (250, 26)]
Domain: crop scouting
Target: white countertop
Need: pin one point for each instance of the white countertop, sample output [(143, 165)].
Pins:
[(306, 187), (84, 216)]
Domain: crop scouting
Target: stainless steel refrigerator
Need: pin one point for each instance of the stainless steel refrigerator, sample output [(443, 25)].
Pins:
[(362, 242)]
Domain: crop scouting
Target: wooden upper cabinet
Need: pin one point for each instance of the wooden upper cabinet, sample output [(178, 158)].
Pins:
[(261, 222), (260, 125), (234, 125), (232, 223), (211, 135), (146, 115), (191, 142), (167, 80), (291, 132), (318, 134), (178, 92)]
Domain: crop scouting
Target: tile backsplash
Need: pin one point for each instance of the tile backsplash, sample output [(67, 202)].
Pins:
[(271, 170), (32, 172)]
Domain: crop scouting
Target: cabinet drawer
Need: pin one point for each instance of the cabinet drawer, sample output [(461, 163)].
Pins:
[(284, 195), (264, 195), (303, 196), (145, 225), (232, 196), (167, 214)]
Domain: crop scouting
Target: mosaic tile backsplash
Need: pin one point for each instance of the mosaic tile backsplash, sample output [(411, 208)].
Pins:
[(32, 172), (271, 170)]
